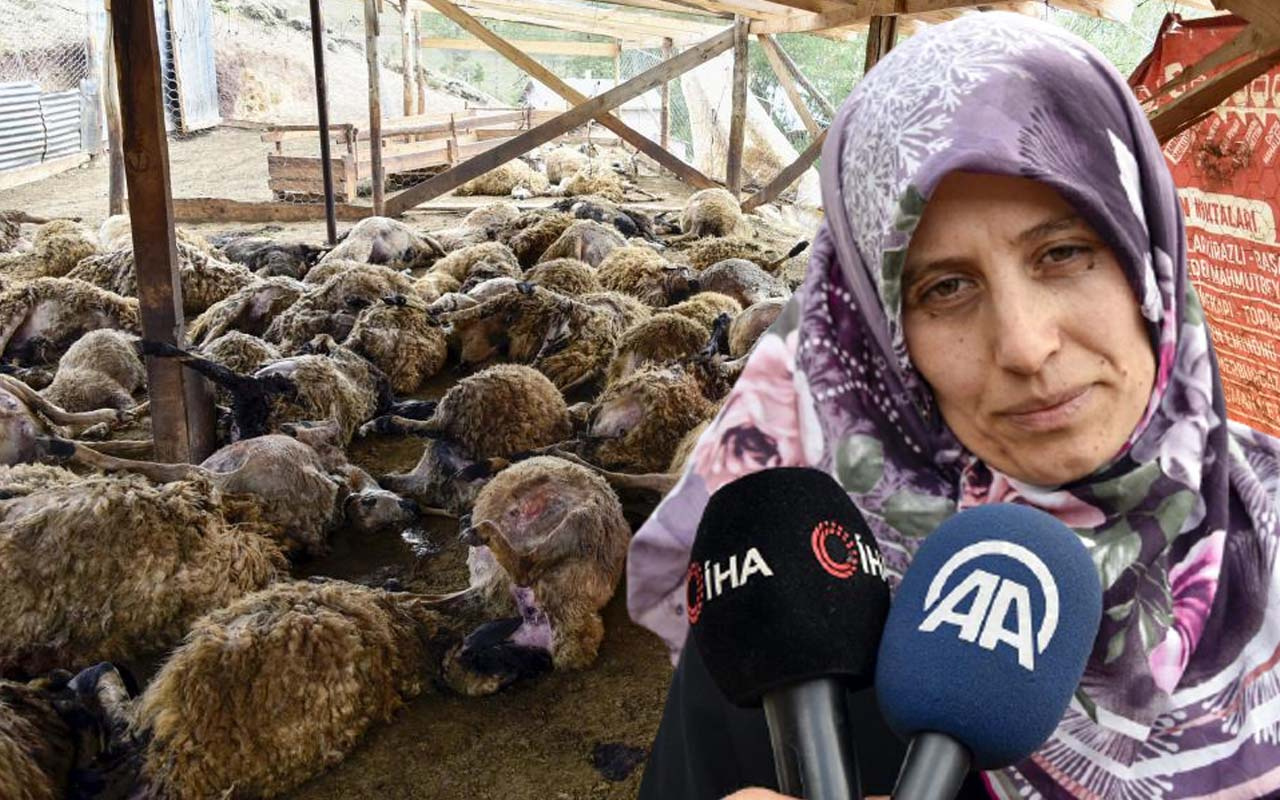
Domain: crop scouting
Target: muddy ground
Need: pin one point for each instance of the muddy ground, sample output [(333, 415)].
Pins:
[(535, 740)]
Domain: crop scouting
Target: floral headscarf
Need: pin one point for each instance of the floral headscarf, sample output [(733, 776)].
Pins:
[(1181, 697)]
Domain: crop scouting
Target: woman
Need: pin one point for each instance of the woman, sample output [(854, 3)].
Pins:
[(998, 310)]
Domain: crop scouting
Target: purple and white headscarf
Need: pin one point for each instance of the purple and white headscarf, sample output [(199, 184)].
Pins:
[(1181, 697)]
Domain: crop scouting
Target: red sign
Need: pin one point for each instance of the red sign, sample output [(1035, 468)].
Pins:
[(1227, 168)]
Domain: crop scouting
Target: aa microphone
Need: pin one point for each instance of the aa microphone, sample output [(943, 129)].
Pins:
[(985, 644), (786, 603)]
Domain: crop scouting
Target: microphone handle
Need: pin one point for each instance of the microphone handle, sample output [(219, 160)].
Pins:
[(934, 768), (812, 742)]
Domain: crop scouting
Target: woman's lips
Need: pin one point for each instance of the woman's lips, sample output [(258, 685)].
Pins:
[(1051, 413)]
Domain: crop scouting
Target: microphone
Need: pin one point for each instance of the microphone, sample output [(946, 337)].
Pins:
[(985, 644), (786, 603)]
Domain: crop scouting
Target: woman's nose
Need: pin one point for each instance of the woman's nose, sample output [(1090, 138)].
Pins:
[(1027, 329)]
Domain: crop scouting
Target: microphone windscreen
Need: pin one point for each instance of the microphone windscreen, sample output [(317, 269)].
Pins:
[(989, 632), (785, 584)]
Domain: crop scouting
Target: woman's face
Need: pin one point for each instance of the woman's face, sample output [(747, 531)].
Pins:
[(1021, 320)]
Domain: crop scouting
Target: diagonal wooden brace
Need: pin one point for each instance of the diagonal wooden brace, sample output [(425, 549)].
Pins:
[(789, 175), (543, 75), (560, 125)]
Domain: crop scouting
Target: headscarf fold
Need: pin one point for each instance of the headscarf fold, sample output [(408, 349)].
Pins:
[(1181, 696)]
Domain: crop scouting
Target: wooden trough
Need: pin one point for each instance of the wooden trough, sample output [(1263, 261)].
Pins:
[(426, 141)]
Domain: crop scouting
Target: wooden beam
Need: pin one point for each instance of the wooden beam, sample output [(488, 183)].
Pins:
[(115, 144), (375, 105), (881, 37), (419, 69), (788, 83), (789, 175), (664, 113), (620, 24), (1250, 39), (538, 47), (181, 402), (322, 116), (564, 123), (818, 97), (540, 73), (217, 209), (407, 53), (1176, 116), (858, 11), (686, 8), (1263, 13), (738, 116)]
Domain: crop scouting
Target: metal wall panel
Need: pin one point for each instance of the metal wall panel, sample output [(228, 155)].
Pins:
[(195, 77), (61, 112), (21, 125)]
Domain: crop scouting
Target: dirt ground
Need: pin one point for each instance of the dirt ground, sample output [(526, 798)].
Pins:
[(535, 740)]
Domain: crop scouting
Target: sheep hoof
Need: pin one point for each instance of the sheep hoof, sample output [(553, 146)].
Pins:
[(381, 425)]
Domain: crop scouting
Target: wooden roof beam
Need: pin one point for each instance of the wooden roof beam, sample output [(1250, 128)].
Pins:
[(551, 48), (860, 12), (588, 15)]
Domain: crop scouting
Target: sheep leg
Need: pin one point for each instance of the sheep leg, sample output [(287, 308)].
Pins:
[(53, 413), (660, 482), (74, 451), (392, 424), (122, 448), (414, 409), (488, 660)]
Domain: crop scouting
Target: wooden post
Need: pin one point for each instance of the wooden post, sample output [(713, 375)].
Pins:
[(375, 105), (322, 116), (115, 144), (738, 117), (788, 84), (881, 37), (408, 48), (181, 402), (617, 65), (664, 121), (419, 68), (91, 91), (562, 124), (540, 73)]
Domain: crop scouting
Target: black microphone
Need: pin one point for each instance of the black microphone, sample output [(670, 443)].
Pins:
[(985, 645), (786, 603)]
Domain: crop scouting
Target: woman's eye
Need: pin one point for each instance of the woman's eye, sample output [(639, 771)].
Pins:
[(942, 290), (1063, 254)]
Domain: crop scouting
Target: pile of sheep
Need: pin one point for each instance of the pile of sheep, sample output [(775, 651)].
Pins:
[(593, 344)]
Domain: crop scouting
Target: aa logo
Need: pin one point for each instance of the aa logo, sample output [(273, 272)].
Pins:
[(991, 600)]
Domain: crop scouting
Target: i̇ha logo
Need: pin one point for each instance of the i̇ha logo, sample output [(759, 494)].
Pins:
[(695, 590), (856, 554), (992, 599)]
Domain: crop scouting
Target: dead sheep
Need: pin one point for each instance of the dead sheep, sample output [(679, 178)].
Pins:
[(280, 685), (10, 230), (380, 240), (40, 319), (26, 418), (101, 370), (239, 352), (629, 222), (205, 280), (249, 310), (324, 382), (111, 567), (705, 308), (59, 245), (625, 309), (37, 751), (461, 264), (585, 240), (748, 326), (492, 287), (514, 178), (646, 276), (563, 162), (742, 280), (473, 425), (331, 308), (567, 276), (269, 258), (398, 337), (661, 338), (116, 233), (322, 272), (684, 448), (476, 227), (449, 302), (713, 212), (511, 326), (434, 285), (558, 533), (299, 484), (637, 422), (705, 253), (530, 234), (595, 179)]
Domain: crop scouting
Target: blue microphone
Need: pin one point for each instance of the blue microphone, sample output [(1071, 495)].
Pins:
[(985, 644)]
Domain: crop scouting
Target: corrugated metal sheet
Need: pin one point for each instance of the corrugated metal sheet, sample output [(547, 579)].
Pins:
[(21, 125), (61, 112), (196, 80)]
